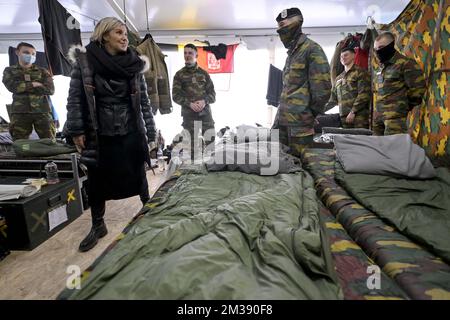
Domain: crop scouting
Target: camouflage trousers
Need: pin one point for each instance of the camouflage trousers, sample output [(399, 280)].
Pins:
[(361, 121), (194, 130), (21, 125), (387, 127), (296, 139)]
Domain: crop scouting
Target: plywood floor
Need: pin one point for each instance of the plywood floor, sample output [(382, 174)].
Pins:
[(42, 273)]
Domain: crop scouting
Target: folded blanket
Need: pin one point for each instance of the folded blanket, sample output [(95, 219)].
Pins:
[(41, 148), (420, 209), (8, 192), (261, 158), (394, 155)]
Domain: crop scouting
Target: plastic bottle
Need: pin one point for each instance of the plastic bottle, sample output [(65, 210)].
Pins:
[(161, 161), (51, 171)]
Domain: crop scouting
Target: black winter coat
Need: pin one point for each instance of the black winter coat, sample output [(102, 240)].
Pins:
[(82, 113)]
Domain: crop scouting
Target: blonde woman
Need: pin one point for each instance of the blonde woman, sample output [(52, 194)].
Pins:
[(110, 120)]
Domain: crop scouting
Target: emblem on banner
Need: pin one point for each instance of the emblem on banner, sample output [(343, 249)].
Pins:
[(213, 63)]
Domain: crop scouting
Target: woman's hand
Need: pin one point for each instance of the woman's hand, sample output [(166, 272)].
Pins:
[(79, 142)]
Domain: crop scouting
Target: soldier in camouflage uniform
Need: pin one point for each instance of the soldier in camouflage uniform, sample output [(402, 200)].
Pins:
[(399, 86), (30, 86), (351, 93), (193, 89), (306, 83)]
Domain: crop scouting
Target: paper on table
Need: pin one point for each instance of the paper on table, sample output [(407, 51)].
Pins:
[(57, 217), (8, 192)]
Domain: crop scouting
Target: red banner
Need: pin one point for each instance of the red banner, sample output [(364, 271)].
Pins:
[(207, 60)]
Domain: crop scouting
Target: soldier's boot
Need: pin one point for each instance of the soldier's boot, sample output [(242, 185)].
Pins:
[(98, 229)]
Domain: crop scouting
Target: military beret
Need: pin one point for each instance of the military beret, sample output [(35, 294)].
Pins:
[(288, 13)]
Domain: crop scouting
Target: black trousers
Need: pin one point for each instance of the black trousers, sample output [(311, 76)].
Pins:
[(120, 173), (98, 207)]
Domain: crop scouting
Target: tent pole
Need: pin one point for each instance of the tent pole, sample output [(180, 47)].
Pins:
[(146, 14)]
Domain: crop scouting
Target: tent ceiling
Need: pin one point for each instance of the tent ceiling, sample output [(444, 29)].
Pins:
[(20, 16)]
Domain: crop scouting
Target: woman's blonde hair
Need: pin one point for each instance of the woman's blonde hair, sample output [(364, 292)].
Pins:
[(104, 26)]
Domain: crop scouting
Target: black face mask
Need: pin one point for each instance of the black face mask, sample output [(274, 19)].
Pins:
[(386, 53), (287, 34)]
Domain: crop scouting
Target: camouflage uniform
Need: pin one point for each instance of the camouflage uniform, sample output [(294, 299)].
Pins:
[(352, 93), (399, 86), (306, 89), (30, 105), (192, 84)]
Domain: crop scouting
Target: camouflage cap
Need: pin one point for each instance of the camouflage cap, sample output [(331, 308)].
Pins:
[(288, 13)]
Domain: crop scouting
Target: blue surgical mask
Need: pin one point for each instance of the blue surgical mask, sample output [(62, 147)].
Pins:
[(28, 58)]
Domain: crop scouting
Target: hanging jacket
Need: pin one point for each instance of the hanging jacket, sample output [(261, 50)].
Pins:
[(157, 77), (336, 66), (60, 31), (275, 86), (219, 51), (362, 58)]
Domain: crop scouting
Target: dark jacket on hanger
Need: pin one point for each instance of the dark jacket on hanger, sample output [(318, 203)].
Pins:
[(336, 66), (275, 86), (60, 31), (219, 51)]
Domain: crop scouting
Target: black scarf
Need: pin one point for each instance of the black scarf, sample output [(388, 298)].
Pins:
[(385, 54), (120, 66)]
